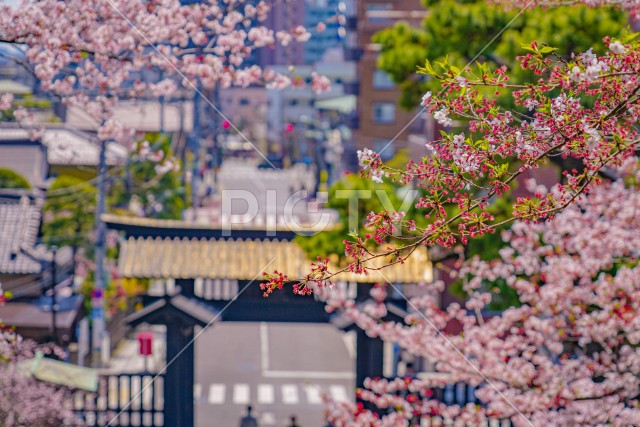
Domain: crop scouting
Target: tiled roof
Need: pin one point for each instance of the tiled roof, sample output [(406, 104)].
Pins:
[(19, 224), (194, 310), (30, 315), (244, 260), (140, 115), (66, 147), (16, 88)]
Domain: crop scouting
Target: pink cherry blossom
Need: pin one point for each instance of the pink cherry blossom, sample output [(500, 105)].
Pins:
[(83, 50), (567, 356), (319, 83)]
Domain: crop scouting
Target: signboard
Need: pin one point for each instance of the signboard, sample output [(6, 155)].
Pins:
[(146, 340), (97, 298), (62, 373)]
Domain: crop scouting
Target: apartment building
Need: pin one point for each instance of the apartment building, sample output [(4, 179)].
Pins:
[(380, 118)]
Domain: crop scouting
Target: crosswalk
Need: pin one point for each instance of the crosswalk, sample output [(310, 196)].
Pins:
[(268, 394)]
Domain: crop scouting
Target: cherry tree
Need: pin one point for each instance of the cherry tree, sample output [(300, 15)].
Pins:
[(92, 54), (583, 107), (568, 355), (25, 400)]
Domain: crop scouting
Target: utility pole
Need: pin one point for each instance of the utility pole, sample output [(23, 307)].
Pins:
[(99, 276), (195, 149), (162, 114), (216, 125), (50, 265), (54, 303)]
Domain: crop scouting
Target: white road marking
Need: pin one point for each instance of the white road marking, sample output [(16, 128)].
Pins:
[(197, 391), (241, 394), (266, 394), (349, 339), (289, 394), (264, 347), (313, 394), (339, 393), (216, 394)]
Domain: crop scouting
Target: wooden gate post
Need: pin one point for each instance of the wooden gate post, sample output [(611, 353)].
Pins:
[(180, 315)]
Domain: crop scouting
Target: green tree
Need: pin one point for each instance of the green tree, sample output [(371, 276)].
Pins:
[(69, 213), (141, 190), (462, 29), (353, 197), (11, 179), (457, 31)]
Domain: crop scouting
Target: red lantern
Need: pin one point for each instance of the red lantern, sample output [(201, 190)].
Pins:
[(226, 124), (288, 128), (145, 339)]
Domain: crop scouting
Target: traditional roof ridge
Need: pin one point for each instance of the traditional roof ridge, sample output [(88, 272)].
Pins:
[(245, 259), (193, 311), (133, 221)]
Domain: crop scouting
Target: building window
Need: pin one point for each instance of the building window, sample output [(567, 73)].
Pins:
[(244, 101), (293, 102), (382, 80), (377, 13), (384, 112)]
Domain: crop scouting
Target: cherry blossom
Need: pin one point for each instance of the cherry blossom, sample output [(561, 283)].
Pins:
[(25, 400), (582, 107), (92, 54), (5, 101), (319, 83), (568, 355)]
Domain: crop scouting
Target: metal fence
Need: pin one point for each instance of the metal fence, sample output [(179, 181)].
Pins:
[(121, 400)]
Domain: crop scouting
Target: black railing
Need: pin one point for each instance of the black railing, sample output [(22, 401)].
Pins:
[(122, 400)]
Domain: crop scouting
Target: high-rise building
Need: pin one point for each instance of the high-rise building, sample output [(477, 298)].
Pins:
[(380, 118), (329, 13), (284, 16)]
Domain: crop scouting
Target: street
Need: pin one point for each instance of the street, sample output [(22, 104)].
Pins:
[(280, 369)]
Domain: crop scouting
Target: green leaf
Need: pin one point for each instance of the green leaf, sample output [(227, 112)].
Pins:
[(548, 49), (527, 47), (427, 69)]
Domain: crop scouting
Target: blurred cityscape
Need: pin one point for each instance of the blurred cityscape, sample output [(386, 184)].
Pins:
[(69, 202)]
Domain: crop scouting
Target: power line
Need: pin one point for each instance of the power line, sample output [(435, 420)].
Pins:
[(91, 182)]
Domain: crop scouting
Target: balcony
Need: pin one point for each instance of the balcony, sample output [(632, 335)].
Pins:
[(352, 23), (353, 54), (351, 88)]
